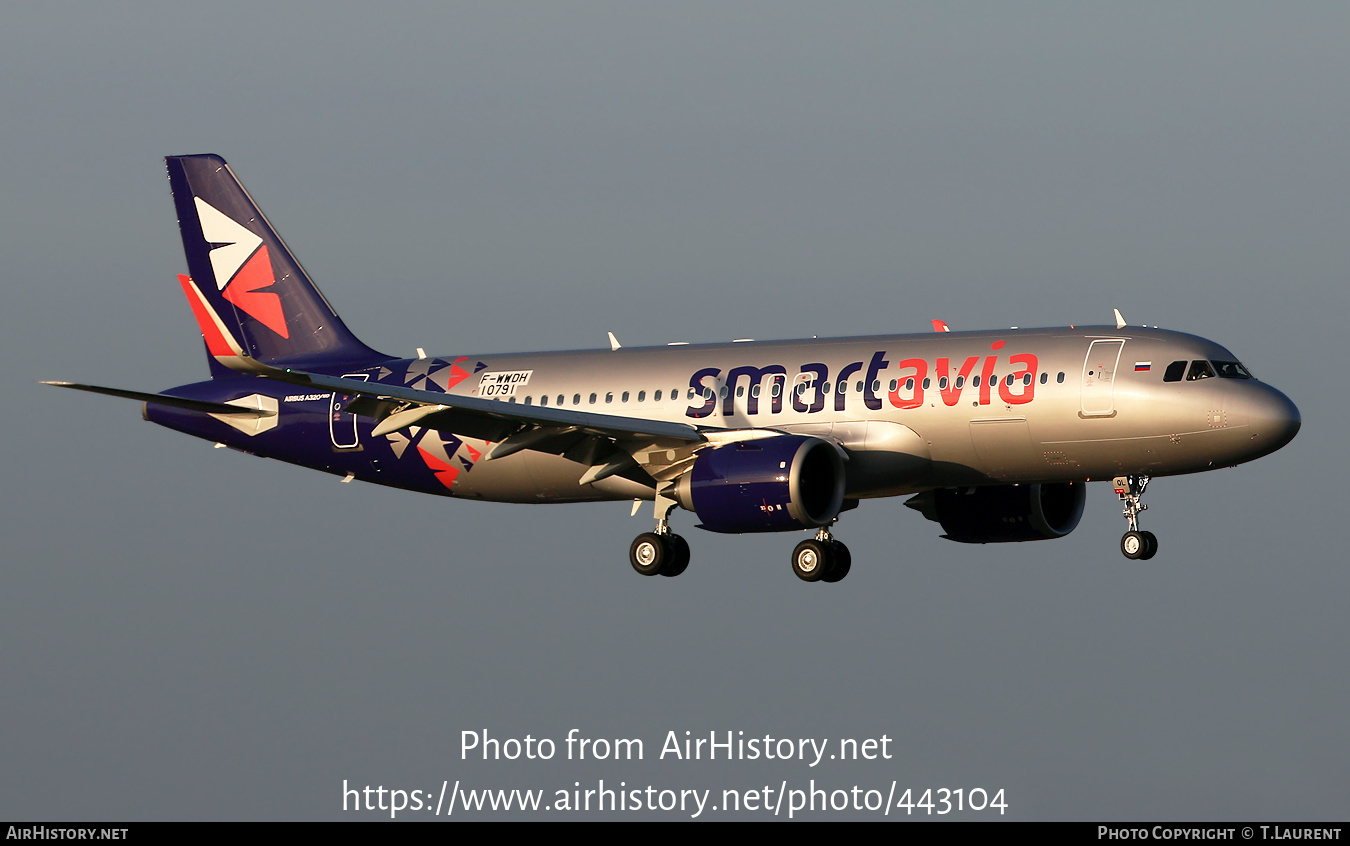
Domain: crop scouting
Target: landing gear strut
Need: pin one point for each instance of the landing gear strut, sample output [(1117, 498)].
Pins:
[(1135, 545), (821, 559)]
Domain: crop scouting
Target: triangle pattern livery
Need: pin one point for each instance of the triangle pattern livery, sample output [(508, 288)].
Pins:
[(993, 435)]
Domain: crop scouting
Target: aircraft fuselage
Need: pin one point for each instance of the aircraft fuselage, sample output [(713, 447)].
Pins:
[(913, 412)]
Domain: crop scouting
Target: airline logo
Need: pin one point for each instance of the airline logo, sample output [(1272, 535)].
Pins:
[(915, 381), (242, 267)]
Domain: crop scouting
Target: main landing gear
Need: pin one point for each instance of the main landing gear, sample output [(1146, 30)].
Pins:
[(821, 559), (1135, 545), (660, 551)]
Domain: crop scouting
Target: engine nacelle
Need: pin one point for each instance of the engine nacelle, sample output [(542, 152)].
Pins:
[(774, 484), (1004, 513)]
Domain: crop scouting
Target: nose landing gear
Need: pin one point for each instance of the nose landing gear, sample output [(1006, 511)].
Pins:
[(1134, 544)]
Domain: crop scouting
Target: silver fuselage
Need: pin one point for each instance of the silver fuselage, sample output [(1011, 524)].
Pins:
[(1085, 404)]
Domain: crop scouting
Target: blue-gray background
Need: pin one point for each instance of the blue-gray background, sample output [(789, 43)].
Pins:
[(191, 633)]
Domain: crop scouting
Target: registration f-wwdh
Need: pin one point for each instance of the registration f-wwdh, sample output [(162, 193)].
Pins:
[(994, 435)]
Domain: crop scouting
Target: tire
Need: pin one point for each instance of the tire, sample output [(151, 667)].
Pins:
[(1150, 546), (649, 553), (843, 562), (679, 556), (811, 560), (1134, 546)]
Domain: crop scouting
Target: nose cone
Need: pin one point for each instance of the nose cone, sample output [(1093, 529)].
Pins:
[(1272, 418)]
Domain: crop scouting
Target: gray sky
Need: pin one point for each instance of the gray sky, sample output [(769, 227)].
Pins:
[(191, 633)]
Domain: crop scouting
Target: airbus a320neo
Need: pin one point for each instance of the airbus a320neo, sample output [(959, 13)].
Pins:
[(994, 435)]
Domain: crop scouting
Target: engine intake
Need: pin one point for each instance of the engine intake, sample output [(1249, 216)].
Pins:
[(775, 484), (1004, 513)]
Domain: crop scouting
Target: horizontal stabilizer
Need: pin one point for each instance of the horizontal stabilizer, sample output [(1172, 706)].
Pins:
[(164, 399)]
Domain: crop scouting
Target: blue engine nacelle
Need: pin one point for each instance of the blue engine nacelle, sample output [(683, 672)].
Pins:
[(1004, 513), (774, 484)]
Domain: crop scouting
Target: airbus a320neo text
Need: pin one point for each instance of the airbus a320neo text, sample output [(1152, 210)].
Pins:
[(994, 435)]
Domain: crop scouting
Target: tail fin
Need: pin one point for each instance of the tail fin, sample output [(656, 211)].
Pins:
[(252, 299)]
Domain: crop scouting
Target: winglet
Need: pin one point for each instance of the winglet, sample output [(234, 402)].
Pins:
[(614, 342), (940, 326), (1120, 321)]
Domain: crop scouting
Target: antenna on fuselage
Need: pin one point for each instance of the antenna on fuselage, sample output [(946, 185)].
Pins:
[(1120, 321), (614, 342)]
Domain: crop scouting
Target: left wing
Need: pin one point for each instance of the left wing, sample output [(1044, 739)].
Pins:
[(608, 444)]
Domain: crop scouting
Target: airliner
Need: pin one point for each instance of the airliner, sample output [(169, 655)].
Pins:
[(993, 435)]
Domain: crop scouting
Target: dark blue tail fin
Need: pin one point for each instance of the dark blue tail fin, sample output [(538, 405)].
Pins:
[(252, 299)]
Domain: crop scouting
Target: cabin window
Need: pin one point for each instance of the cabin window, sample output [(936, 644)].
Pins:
[(1200, 369), (1060, 377), (543, 400), (975, 383), (529, 400), (642, 396), (825, 388), (592, 399), (561, 398), (858, 387), (777, 389), (723, 392), (942, 383), (576, 399), (624, 398), (909, 383), (894, 384), (927, 383), (1010, 380), (609, 396), (1026, 379), (1045, 377), (960, 381)]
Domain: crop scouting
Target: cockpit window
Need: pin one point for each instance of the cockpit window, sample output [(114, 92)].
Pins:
[(1175, 371), (1200, 369), (1232, 370)]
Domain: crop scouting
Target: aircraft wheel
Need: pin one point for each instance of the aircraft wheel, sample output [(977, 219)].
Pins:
[(1134, 545), (679, 556), (649, 553), (842, 563), (1150, 546), (811, 560)]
